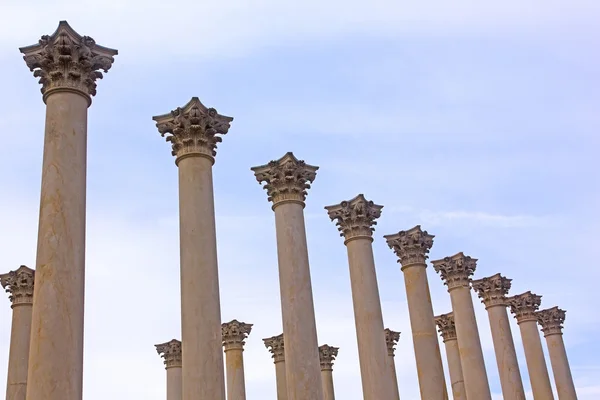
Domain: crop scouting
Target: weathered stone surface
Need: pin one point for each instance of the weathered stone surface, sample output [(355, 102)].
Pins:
[(276, 346), (356, 217), (447, 328), (411, 246), (455, 271)]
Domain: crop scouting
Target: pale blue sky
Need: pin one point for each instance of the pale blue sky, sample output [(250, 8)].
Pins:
[(479, 122)]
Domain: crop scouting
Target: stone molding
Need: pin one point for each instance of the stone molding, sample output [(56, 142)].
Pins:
[(524, 306), (446, 326), (275, 345), (66, 60), (456, 270), (286, 180), (355, 218), (551, 320), (391, 339), (234, 334), (19, 285), (192, 130), (492, 290), (327, 355), (411, 246), (170, 352)]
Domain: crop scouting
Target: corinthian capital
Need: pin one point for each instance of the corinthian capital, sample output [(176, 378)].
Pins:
[(455, 271), (286, 180), (327, 355), (411, 246), (235, 334), (66, 60), (551, 320), (170, 352), (275, 345), (524, 306), (492, 290), (446, 327), (391, 339), (193, 129), (19, 285), (355, 218)]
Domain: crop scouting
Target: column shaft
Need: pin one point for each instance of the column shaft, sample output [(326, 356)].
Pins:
[(392, 368), (455, 369), (469, 344), (368, 318), (18, 358), (280, 378), (234, 364), (303, 374), (427, 349), (536, 363), (506, 356), (560, 367), (202, 355), (327, 381), (56, 352), (174, 390)]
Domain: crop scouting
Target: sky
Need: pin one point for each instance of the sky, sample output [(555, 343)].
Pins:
[(477, 120)]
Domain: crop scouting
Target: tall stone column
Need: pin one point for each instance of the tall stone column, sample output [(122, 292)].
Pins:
[(327, 355), (68, 66), (234, 336), (19, 285), (493, 291), (391, 338), (524, 306), (286, 181), (552, 321), (355, 220), (456, 273), (412, 248), (171, 353), (193, 133), (447, 328), (276, 346)]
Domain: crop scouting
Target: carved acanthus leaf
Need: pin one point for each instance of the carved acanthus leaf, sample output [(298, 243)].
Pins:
[(456, 271), (524, 306), (411, 246), (492, 290), (391, 339), (356, 217), (286, 179), (170, 352), (446, 327), (235, 334), (19, 285), (551, 320), (327, 355), (193, 129), (275, 345), (66, 59)]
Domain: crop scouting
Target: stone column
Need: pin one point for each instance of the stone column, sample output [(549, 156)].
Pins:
[(68, 66), (412, 248), (192, 131), (234, 336), (447, 328), (493, 291), (276, 345), (355, 220), (327, 355), (19, 285), (551, 321), (171, 353), (524, 306), (286, 181), (456, 273), (391, 338)]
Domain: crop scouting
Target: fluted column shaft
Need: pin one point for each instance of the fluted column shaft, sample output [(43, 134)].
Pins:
[(68, 65), (202, 356), (447, 330)]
